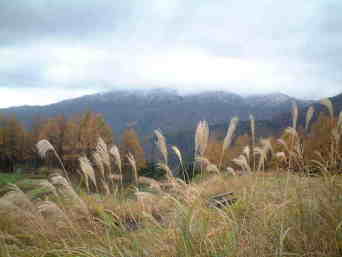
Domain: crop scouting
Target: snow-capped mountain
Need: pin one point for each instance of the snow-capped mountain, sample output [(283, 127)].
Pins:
[(163, 108)]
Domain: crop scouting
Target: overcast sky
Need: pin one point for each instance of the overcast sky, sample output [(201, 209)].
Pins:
[(56, 49)]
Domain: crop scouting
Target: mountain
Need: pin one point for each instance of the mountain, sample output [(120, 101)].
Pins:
[(166, 109), (337, 102), (264, 128), (283, 120)]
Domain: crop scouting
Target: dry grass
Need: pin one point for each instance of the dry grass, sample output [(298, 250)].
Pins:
[(161, 144), (201, 138), (309, 115), (276, 215), (229, 137)]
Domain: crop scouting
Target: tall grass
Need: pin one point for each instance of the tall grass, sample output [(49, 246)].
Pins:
[(283, 215), (277, 212), (227, 141), (43, 147)]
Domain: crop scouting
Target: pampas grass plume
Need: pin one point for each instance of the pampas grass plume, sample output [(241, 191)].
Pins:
[(309, 115), (133, 164), (99, 163), (102, 149), (230, 133), (117, 158), (328, 104), (295, 113), (201, 138), (339, 122), (161, 144), (87, 170), (178, 153), (43, 146)]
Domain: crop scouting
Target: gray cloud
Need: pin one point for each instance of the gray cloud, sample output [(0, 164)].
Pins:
[(245, 46)]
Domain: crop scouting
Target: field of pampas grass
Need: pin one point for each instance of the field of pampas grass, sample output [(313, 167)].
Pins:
[(278, 206), (275, 215)]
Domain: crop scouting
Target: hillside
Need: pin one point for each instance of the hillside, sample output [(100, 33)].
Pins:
[(264, 127), (283, 119), (147, 110)]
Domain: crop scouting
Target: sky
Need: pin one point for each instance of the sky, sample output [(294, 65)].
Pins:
[(52, 50)]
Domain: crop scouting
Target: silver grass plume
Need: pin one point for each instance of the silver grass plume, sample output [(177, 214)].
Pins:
[(252, 121), (98, 162), (242, 162), (44, 146), (229, 137), (133, 164), (178, 154), (339, 122), (294, 115), (328, 104), (266, 147), (230, 133), (161, 144), (180, 159), (88, 171), (102, 149), (117, 158), (201, 138), (252, 124), (309, 115)]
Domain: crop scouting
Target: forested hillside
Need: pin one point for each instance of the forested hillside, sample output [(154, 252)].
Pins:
[(146, 110)]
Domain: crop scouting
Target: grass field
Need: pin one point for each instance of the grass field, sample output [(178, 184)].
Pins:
[(275, 215), (288, 201)]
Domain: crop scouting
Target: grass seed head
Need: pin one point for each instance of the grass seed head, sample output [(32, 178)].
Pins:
[(295, 113), (161, 144), (87, 171), (117, 157), (201, 138), (230, 133), (44, 146), (328, 104), (309, 115)]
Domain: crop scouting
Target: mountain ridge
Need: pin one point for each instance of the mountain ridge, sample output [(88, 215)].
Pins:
[(161, 108)]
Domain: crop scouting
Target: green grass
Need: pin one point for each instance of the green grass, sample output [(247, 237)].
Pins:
[(6, 178)]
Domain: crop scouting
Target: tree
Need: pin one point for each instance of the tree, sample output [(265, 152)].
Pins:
[(91, 127), (12, 142), (131, 144)]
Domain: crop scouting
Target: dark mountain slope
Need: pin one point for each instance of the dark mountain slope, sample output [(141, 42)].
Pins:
[(147, 110), (284, 119)]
